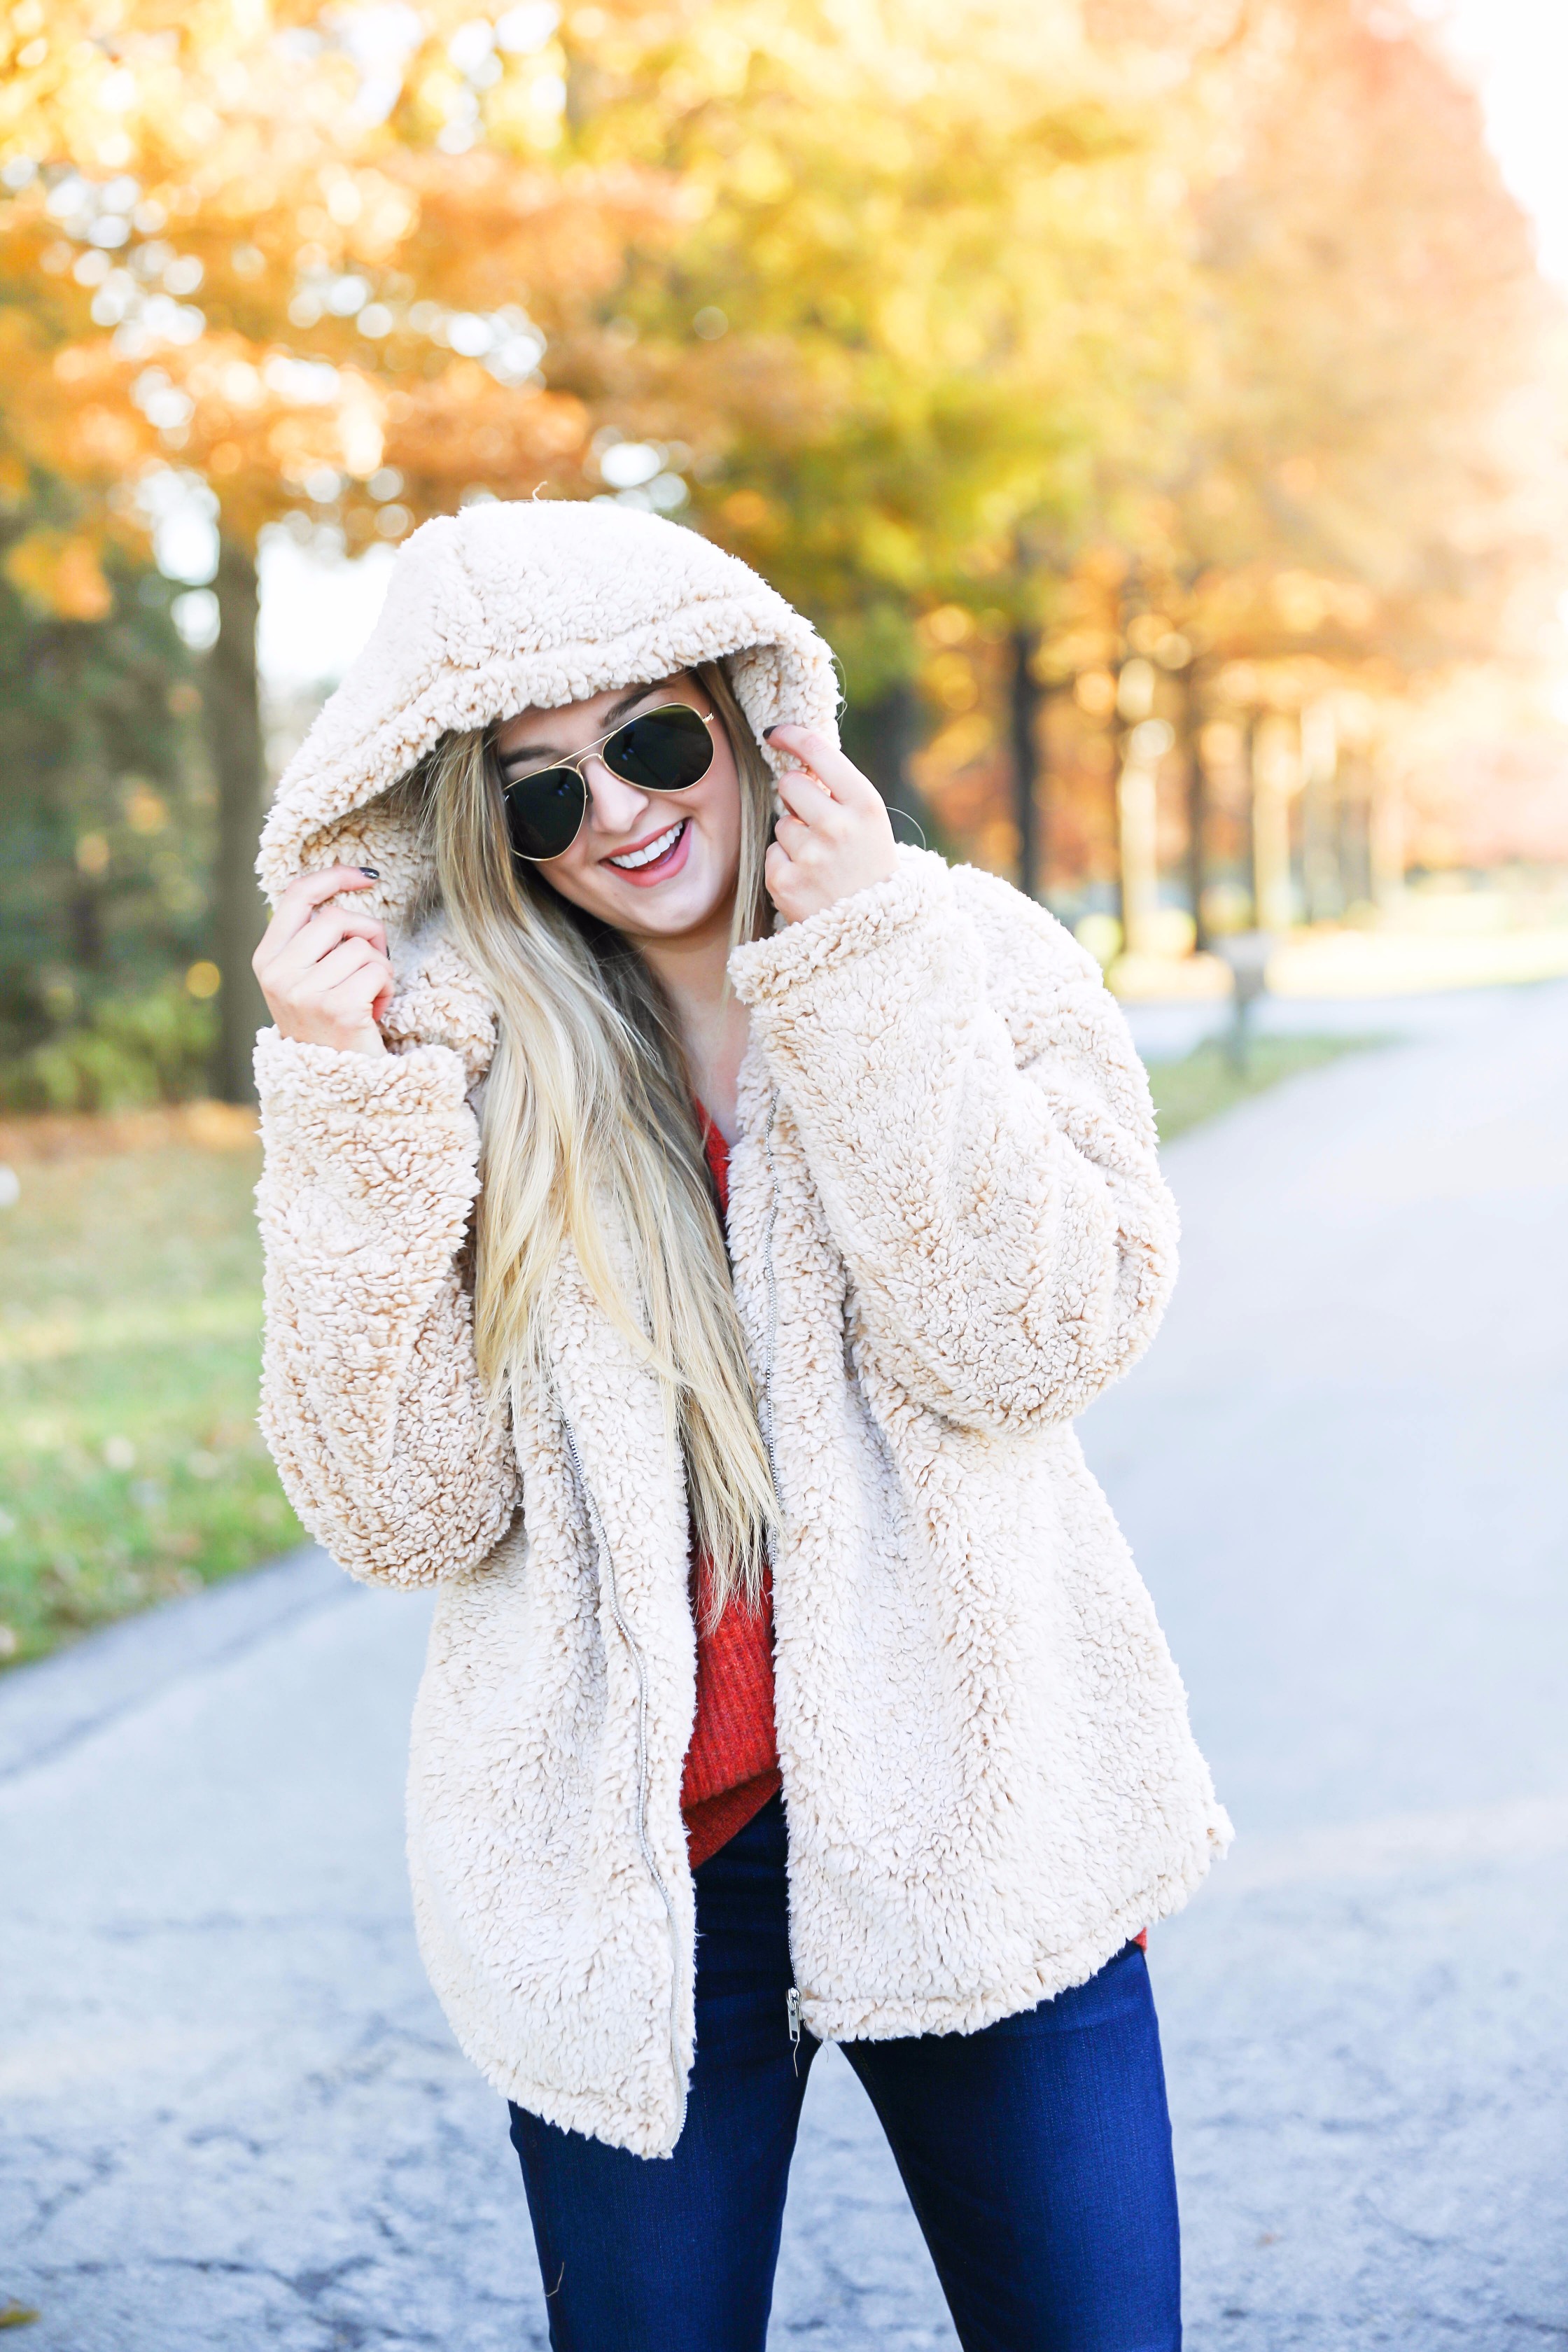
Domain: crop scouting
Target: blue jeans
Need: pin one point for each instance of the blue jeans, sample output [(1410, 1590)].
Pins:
[(1037, 2155)]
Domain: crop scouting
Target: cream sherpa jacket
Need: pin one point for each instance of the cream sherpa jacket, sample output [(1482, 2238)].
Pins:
[(949, 1233)]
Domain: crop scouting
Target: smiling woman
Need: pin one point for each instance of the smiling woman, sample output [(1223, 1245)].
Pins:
[(692, 1223)]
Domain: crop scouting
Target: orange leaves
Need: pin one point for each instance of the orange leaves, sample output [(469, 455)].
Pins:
[(462, 427), (109, 443), (60, 571), (274, 253), (491, 230)]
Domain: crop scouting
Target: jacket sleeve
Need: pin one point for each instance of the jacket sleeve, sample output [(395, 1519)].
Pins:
[(978, 1127), (371, 1398)]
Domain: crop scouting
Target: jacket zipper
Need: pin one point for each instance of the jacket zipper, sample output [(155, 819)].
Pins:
[(765, 1416), (639, 1668)]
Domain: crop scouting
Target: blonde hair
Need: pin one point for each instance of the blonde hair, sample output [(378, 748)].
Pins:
[(588, 1132)]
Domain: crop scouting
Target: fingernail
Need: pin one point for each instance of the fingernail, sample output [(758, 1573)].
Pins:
[(766, 732), (371, 872)]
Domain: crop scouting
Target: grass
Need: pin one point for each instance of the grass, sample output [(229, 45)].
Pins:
[(1207, 1082), (130, 1465)]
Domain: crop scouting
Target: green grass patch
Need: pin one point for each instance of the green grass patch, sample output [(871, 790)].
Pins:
[(130, 1465), (1207, 1081)]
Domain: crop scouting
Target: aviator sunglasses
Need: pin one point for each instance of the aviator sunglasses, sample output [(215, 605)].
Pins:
[(663, 751)]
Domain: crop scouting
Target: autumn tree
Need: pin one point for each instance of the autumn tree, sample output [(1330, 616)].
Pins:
[(237, 245), (925, 294), (1371, 495)]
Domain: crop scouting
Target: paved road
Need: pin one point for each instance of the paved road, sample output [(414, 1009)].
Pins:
[(232, 2114)]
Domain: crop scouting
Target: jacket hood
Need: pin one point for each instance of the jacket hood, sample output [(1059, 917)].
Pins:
[(509, 606)]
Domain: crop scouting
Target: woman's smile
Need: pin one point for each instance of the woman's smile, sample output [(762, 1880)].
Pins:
[(655, 856)]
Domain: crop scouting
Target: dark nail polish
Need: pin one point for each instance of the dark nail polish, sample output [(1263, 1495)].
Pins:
[(370, 871), (766, 732)]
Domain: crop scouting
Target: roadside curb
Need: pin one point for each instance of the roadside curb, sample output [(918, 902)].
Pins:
[(48, 1707)]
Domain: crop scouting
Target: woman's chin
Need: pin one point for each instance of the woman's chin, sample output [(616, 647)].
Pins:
[(687, 900)]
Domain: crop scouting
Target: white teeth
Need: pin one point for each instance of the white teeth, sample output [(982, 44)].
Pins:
[(655, 849)]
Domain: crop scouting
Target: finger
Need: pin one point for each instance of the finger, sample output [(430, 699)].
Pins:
[(303, 896), (352, 1000), (791, 835), (355, 956), (293, 972), (836, 774), (332, 924), (806, 796), (324, 931)]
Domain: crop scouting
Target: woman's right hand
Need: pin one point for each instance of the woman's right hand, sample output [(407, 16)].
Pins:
[(324, 970)]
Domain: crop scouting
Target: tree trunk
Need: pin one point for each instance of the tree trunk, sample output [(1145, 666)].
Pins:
[(1322, 876), (231, 710), (1023, 716), (1354, 828), (1386, 842), (1197, 811), (1276, 774), (1138, 818)]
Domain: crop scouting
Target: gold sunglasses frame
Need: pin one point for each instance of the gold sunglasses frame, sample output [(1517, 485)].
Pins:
[(574, 766)]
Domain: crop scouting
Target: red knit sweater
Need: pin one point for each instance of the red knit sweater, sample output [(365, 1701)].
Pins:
[(732, 1763)]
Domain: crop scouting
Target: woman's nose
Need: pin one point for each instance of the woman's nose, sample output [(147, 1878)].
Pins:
[(617, 805)]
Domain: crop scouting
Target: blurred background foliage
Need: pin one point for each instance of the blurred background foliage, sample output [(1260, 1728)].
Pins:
[(105, 834), (1157, 405)]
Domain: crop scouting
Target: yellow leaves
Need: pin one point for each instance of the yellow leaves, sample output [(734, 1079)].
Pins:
[(1094, 690), (343, 201), (889, 551), (760, 174), (747, 510), (952, 681), (726, 56), (109, 442), (147, 811), (1306, 604), (948, 625), (360, 437), (236, 382), (60, 571), (388, 215)]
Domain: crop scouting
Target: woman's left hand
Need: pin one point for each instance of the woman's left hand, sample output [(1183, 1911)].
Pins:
[(835, 837)]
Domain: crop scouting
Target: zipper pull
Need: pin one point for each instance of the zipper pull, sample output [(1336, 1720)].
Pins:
[(791, 2010)]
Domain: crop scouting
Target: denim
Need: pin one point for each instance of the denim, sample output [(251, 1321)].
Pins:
[(1036, 2155)]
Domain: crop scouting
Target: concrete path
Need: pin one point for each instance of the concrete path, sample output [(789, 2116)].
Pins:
[(231, 2115)]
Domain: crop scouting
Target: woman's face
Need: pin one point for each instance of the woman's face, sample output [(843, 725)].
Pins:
[(690, 885)]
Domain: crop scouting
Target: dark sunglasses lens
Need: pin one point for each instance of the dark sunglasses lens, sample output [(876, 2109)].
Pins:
[(663, 751), (543, 812)]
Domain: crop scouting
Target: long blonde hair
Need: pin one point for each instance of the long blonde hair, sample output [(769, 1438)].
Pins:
[(589, 1132)]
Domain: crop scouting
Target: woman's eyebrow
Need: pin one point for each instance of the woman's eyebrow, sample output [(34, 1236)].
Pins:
[(548, 751)]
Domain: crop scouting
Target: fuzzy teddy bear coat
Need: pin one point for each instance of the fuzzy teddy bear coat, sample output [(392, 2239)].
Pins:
[(949, 1233)]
